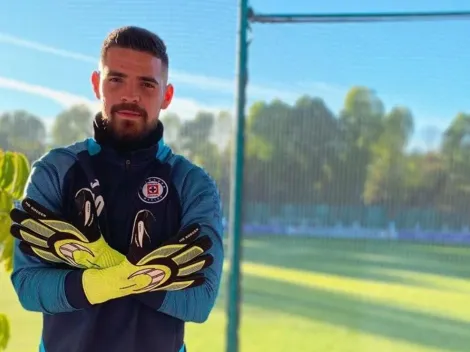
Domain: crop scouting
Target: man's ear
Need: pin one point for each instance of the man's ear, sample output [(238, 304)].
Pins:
[(95, 83), (167, 98)]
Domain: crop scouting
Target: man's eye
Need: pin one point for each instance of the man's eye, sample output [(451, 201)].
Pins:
[(148, 85), (115, 79)]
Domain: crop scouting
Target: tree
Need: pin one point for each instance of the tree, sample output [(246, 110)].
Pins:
[(289, 150), (456, 153), (361, 125), (195, 143), (14, 172), (72, 125), (425, 180), (222, 130), (23, 132), (387, 171), (172, 125)]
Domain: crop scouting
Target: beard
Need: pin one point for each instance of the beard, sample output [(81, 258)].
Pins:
[(128, 130)]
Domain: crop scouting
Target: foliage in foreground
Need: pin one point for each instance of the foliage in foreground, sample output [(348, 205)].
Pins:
[(14, 172)]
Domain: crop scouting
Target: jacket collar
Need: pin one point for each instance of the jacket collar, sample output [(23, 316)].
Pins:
[(150, 147)]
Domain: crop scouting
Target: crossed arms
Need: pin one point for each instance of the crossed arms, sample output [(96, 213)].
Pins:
[(43, 287)]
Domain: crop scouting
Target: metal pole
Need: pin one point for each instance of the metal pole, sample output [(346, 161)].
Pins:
[(236, 191), (359, 17)]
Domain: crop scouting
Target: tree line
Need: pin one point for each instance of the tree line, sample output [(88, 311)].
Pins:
[(301, 153)]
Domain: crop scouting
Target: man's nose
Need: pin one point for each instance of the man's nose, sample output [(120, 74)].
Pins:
[(131, 95)]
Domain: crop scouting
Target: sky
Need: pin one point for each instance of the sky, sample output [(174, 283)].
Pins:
[(49, 49)]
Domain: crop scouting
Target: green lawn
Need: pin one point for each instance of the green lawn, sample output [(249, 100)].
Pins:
[(328, 295)]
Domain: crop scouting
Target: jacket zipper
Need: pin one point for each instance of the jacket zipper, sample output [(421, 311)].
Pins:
[(125, 213)]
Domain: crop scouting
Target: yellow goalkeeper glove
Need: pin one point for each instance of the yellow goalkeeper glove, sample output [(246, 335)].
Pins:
[(175, 265), (46, 236)]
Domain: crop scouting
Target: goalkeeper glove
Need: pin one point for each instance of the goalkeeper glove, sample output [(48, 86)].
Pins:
[(46, 236), (175, 265)]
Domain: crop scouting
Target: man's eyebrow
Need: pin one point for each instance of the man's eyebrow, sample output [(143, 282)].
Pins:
[(149, 79), (142, 78), (115, 74)]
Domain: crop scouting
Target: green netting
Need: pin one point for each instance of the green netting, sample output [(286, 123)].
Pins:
[(356, 182)]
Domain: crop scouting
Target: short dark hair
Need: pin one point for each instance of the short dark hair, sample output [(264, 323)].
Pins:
[(136, 38)]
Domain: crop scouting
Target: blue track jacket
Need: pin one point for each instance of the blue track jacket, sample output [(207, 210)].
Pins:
[(124, 180)]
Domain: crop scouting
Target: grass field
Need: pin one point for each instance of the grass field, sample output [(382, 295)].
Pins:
[(307, 295)]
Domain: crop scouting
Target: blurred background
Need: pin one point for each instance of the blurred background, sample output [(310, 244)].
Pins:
[(357, 161)]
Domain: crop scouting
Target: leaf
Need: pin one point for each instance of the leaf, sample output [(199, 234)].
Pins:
[(2, 158), (6, 204), (22, 170), (4, 332), (6, 254), (5, 224), (6, 242), (7, 172)]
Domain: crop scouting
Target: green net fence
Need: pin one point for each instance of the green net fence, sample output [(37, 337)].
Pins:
[(355, 207), (357, 163)]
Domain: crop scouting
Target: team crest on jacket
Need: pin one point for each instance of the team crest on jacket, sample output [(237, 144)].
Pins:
[(153, 191)]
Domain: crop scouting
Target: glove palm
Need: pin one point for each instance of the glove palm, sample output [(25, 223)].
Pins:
[(50, 238)]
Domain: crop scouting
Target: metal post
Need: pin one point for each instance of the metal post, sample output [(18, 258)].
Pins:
[(359, 17), (236, 191)]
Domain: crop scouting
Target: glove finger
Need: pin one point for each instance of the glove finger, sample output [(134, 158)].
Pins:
[(193, 250), (25, 234), (196, 265), (32, 216), (43, 254), (87, 220), (184, 264), (182, 283), (176, 253), (43, 247), (50, 255), (21, 217), (37, 232)]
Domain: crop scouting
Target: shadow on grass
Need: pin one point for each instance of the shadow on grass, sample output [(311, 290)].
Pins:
[(359, 258), (356, 314)]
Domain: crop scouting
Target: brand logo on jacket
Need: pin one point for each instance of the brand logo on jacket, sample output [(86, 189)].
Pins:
[(153, 191)]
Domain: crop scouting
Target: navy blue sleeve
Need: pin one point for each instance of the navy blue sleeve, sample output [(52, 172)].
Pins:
[(201, 204), (41, 287)]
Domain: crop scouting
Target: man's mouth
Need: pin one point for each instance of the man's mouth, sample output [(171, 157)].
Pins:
[(128, 114)]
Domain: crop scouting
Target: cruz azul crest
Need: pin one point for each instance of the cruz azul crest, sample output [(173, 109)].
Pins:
[(153, 191)]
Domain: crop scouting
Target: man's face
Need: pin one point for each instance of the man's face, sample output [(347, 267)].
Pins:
[(132, 87)]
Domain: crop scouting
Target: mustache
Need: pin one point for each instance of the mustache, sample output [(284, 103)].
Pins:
[(130, 107)]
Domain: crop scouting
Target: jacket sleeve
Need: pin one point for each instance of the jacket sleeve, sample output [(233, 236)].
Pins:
[(200, 204), (39, 286)]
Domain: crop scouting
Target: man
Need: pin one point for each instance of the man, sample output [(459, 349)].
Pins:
[(98, 283)]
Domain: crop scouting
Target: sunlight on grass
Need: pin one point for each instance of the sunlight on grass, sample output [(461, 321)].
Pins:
[(441, 282), (263, 330), (448, 304)]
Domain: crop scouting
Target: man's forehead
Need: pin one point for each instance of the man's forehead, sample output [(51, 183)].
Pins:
[(131, 62)]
